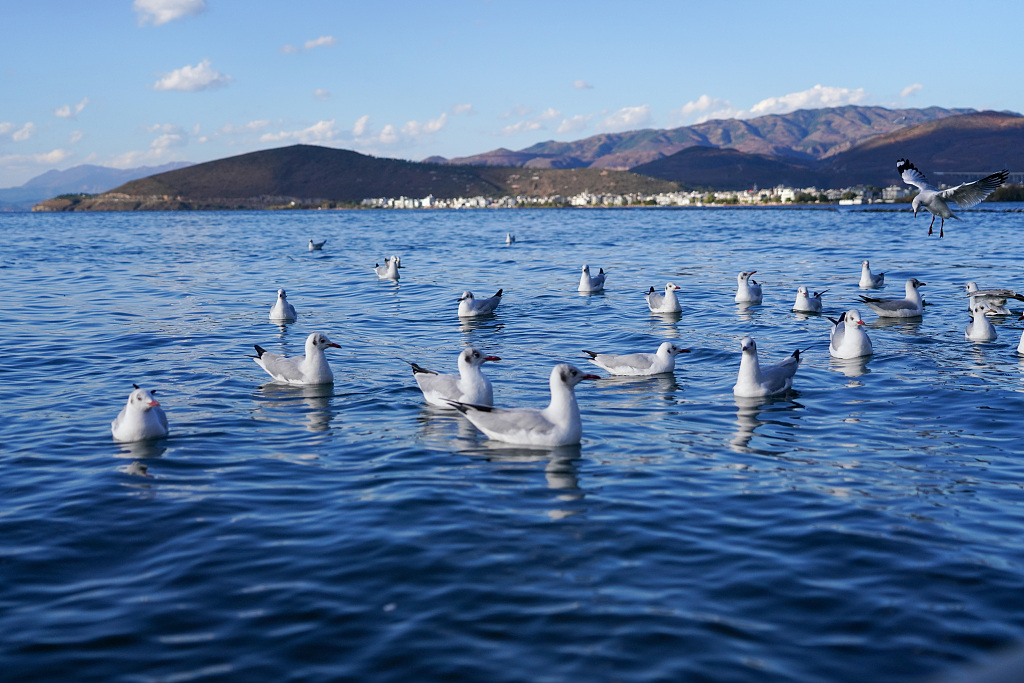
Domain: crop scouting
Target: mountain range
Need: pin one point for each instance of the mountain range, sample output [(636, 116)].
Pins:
[(85, 178)]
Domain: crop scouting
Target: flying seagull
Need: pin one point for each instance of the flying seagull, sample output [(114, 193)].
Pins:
[(936, 201)]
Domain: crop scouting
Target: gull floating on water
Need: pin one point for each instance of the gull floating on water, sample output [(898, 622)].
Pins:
[(140, 418), (639, 364), (980, 329), (869, 281), (1020, 344), (936, 201), (591, 283), (509, 238), (663, 303), (309, 369), (807, 303), (995, 298), (911, 306), (754, 381), (747, 289), (282, 310), (469, 306), (557, 425), (469, 387), (389, 271), (316, 246), (848, 338)]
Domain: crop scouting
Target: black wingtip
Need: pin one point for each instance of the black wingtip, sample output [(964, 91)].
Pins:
[(498, 293), (418, 369), (651, 291), (466, 407), (590, 353), (136, 385), (259, 350), (834, 321)]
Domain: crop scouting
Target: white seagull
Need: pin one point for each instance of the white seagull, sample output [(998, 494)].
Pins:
[(591, 283), (469, 387), (936, 201), (910, 307), (747, 290), (995, 298), (847, 339), (755, 382), (980, 329), (389, 271), (663, 303), (639, 364), (310, 369), (557, 425), (869, 281), (316, 246), (141, 418), (806, 302), (282, 310), (1020, 344), (509, 238), (470, 307)]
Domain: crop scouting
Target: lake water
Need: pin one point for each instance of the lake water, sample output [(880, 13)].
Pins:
[(865, 527)]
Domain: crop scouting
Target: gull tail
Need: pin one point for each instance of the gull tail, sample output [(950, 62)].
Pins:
[(418, 369), (259, 350), (590, 353), (466, 407)]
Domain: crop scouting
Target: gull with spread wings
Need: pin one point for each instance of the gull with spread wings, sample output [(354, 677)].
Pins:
[(937, 201)]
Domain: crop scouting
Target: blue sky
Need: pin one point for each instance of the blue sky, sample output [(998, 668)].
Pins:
[(130, 83)]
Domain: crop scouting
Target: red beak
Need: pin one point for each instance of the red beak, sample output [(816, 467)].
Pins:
[(491, 358)]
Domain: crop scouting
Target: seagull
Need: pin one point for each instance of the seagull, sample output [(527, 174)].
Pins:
[(910, 307), (1020, 344), (980, 329), (282, 310), (469, 307), (747, 290), (995, 298), (557, 425), (509, 238), (310, 369), (753, 382), (591, 283), (847, 339), (663, 303), (389, 271), (807, 303), (935, 200), (869, 281), (316, 246), (469, 387), (141, 418), (639, 364)]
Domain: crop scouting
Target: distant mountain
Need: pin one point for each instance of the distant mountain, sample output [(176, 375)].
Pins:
[(309, 174), (807, 134), (86, 178), (950, 150)]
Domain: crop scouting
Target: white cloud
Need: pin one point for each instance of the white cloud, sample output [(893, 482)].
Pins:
[(322, 41), (24, 133), (815, 98), (245, 128), (388, 136), (361, 126), (517, 111), (158, 12), (580, 84), (628, 118), (46, 158), (705, 108), (319, 132), (321, 94), (521, 127), (463, 109), (70, 112), (415, 129), (574, 124), (911, 89), (193, 78), (76, 136)]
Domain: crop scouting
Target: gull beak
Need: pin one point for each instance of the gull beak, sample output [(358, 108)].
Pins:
[(591, 377), (491, 358), (861, 322), (153, 403), (333, 345)]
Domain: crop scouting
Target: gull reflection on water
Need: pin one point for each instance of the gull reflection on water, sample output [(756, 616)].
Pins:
[(748, 418), (851, 367), (316, 397), (561, 469), (641, 386)]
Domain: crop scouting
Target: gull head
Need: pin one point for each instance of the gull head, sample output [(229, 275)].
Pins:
[(971, 287), (915, 204), (669, 349), (670, 287), (281, 294), (747, 345), (852, 316), (569, 375), (317, 340), (586, 269), (744, 276), (801, 290), (474, 358), (466, 296), (915, 283), (141, 399)]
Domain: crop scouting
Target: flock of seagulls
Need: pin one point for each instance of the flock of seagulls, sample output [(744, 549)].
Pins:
[(559, 424)]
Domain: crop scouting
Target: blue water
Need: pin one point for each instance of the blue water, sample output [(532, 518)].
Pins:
[(865, 527)]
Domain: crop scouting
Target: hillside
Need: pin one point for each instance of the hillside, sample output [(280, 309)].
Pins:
[(728, 169), (308, 174), (84, 178), (804, 135)]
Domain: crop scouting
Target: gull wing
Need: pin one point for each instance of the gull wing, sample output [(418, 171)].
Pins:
[(279, 367), (519, 425), (629, 361), (781, 374), (912, 176), (437, 385), (972, 194)]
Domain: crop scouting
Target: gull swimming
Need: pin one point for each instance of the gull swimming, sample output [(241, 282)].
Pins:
[(869, 281), (591, 283), (557, 425), (753, 381), (847, 338), (807, 303), (282, 310), (747, 289), (469, 306), (509, 238), (1020, 344), (389, 271), (140, 418), (911, 306), (469, 387), (664, 303), (995, 298), (639, 364), (309, 369), (316, 246), (935, 200), (980, 329)]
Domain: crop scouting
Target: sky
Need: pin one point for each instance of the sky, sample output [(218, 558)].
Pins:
[(127, 83)]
